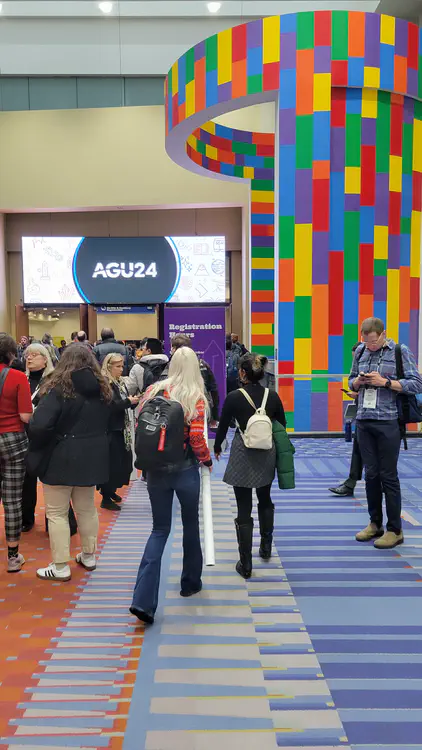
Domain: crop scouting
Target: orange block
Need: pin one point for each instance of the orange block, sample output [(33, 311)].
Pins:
[(264, 139), (404, 304), (200, 87), (356, 34), (321, 170), (400, 73), (320, 327), (239, 84), (305, 82), (258, 341), (335, 407), (287, 395), (262, 296), (262, 208), (262, 317), (366, 306), (286, 292)]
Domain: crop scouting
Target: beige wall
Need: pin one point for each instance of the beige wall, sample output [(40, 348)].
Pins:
[(128, 326), (59, 329)]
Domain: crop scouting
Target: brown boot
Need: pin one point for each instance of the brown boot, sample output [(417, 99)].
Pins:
[(371, 531), (389, 540)]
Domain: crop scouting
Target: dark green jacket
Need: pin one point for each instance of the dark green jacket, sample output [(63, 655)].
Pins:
[(285, 462)]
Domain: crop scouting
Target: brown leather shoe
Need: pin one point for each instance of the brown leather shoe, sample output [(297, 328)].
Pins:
[(369, 533), (389, 540)]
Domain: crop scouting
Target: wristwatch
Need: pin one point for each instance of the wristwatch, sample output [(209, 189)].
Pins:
[(388, 383)]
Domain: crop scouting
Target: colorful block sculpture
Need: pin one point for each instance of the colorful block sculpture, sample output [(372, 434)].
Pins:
[(336, 192)]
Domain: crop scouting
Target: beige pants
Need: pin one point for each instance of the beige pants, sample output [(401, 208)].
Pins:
[(57, 498)]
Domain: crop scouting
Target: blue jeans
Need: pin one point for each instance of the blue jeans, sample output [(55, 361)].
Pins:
[(161, 487)]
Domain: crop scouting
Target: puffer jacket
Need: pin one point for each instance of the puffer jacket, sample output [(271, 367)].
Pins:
[(285, 461)]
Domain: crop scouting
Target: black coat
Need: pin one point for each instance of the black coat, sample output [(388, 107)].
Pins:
[(111, 346), (117, 412), (72, 433)]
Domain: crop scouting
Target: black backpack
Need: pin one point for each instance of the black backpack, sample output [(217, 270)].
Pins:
[(408, 404), (159, 440), (152, 373)]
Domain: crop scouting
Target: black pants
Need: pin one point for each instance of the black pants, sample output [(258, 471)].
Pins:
[(355, 466), (379, 444), (29, 500), (244, 501)]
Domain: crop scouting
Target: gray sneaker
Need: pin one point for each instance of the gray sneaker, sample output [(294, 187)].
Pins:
[(14, 564)]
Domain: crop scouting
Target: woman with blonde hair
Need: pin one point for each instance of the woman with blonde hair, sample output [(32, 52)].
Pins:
[(120, 437), (185, 387)]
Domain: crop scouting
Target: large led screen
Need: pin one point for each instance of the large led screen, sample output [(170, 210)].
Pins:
[(123, 270)]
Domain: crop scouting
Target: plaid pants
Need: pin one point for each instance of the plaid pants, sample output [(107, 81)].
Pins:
[(13, 447)]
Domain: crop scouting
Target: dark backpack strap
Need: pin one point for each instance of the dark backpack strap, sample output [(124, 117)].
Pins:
[(404, 401), (399, 362), (3, 375), (362, 349)]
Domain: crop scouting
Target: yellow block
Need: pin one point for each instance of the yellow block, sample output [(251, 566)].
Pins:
[(369, 103), (415, 245), (209, 127), (393, 294), (352, 180), (271, 39), (262, 262), (395, 174), (371, 77), (249, 172), (262, 329), (262, 196), (303, 351), (417, 145), (190, 99), (380, 243), (388, 30), (192, 140), (322, 92), (211, 152), (175, 78), (224, 47), (303, 261)]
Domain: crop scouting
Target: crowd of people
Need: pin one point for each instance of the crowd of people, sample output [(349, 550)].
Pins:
[(67, 421)]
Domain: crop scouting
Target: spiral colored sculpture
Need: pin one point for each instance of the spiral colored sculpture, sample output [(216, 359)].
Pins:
[(336, 193)]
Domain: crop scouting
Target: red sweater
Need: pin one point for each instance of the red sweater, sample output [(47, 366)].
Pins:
[(15, 399)]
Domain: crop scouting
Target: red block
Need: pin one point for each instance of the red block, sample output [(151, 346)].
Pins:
[(214, 166), (218, 142), (368, 176), (417, 191), (366, 269), (335, 294), (394, 213), (339, 72), (286, 367), (412, 46), (338, 108), (262, 150), (322, 28), (239, 43), (396, 128), (271, 76), (175, 111), (321, 205), (414, 293)]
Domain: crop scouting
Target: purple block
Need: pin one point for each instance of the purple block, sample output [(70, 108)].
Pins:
[(322, 60), (372, 40), (287, 127), (380, 288), (369, 131), (288, 51), (338, 149), (254, 34), (243, 136), (382, 196), (264, 174), (401, 37), (239, 160), (319, 412), (262, 307), (320, 245), (414, 332), (351, 202), (199, 51), (225, 92), (394, 251), (409, 105), (262, 242), (303, 196), (412, 81), (205, 137)]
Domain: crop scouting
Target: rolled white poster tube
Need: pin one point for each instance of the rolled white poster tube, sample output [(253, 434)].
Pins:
[(207, 509)]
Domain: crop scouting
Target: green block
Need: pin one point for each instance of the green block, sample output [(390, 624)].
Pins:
[(319, 385), (262, 184), (303, 317), (418, 105), (382, 163), (201, 146), (211, 53), (407, 148), (420, 79), (286, 236), (267, 351), (351, 245), (353, 140), (319, 372), (351, 335), (290, 419), (262, 252), (405, 225), (340, 35), (304, 141), (305, 31), (170, 83), (255, 84), (190, 65), (238, 171), (244, 148), (268, 162), (380, 267), (263, 285)]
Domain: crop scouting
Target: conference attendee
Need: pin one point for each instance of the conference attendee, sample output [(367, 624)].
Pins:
[(109, 345), (374, 377), (232, 365), (210, 383), (69, 444), (250, 468), (15, 413), (23, 343), (47, 341), (73, 337), (119, 429), (148, 370), (184, 386), (62, 346), (241, 348)]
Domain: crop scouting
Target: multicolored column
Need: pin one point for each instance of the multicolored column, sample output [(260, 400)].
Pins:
[(335, 201)]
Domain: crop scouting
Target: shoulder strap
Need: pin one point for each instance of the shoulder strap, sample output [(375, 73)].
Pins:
[(265, 399), (399, 362), (362, 349), (248, 398), (3, 375)]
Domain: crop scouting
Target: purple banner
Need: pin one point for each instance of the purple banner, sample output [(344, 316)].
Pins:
[(206, 327)]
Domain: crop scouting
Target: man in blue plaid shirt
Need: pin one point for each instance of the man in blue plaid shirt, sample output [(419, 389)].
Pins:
[(373, 376)]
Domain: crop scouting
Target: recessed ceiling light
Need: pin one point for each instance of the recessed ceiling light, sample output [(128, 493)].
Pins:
[(213, 7), (105, 7), (1, 7)]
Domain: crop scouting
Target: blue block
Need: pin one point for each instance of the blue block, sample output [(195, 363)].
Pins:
[(303, 405), (211, 87), (286, 318), (287, 159), (262, 274), (321, 136), (335, 355), (227, 169), (387, 67), (182, 79), (406, 196), (262, 219), (353, 99), (254, 61), (253, 161), (380, 310), (337, 211), (405, 250), (355, 71), (367, 221), (351, 303), (404, 333), (288, 22), (223, 132), (288, 89)]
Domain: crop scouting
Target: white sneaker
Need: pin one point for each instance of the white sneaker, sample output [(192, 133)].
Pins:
[(52, 573), (14, 564), (89, 562)]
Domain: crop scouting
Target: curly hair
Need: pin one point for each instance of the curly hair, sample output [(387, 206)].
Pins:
[(75, 357)]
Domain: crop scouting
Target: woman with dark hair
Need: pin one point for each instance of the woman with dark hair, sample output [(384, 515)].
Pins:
[(69, 451), (250, 468), (15, 412)]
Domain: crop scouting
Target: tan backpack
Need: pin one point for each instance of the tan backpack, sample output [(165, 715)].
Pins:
[(259, 429)]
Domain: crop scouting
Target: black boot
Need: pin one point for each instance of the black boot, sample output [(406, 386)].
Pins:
[(244, 533), (266, 527)]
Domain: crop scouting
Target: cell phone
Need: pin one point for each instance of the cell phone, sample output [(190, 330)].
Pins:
[(364, 374), (344, 391)]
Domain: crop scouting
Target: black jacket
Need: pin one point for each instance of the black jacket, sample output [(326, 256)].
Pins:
[(236, 407), (111, 346), (73, 433), (117, 411), (210, 383)]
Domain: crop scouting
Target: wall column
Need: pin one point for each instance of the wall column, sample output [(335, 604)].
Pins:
[(4, 315)]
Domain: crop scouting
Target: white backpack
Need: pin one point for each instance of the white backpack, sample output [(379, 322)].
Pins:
[(259, 430)]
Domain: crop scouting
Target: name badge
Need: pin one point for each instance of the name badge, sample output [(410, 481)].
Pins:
[(370, 398)]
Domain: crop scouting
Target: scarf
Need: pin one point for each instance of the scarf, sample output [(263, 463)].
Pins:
[(127, 432)]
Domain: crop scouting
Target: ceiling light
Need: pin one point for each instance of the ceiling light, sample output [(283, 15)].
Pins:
[(1, 7), (106, 7), (213, 7)]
